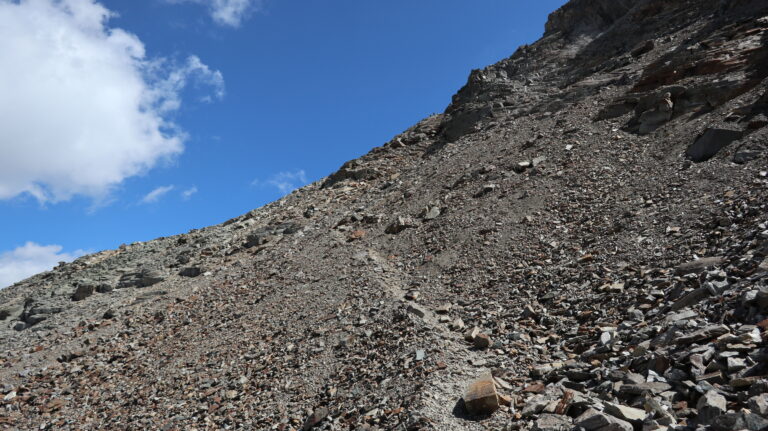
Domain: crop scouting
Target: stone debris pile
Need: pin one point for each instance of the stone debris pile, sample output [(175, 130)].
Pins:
[(579, 242)]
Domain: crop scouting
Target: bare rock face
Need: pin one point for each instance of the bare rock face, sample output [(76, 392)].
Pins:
[(710, 143), (554, 208), (586, 16), (351, 170)]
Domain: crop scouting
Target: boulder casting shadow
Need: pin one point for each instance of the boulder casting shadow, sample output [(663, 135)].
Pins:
[(460, 411)]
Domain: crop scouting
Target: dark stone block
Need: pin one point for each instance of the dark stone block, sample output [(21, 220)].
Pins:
[(710, 143)]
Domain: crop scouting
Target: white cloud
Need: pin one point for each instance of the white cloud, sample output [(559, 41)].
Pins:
[(82, 107), (285, 182), (31, 259), (227, 12), (230, 12), (156, 194), (187, 194), (167, 89)]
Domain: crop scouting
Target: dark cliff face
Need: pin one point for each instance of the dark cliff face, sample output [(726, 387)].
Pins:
[(586, 222), (585, 38), (566, 50), (587, 17)]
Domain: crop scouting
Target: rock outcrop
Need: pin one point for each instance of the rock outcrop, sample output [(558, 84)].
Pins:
[(585, 227)]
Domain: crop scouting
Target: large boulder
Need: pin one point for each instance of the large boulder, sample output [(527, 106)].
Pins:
[(11, 310), (400, 224), (593, 420), (266, 234), (698, 266), (552, 422), (481, 398), (144, 277), (710, 406), (191, 271), (83, 291), (710, 143), (739, 421), (37, 311)]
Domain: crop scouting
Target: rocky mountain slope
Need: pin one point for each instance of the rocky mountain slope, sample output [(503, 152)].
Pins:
[(578, 242)]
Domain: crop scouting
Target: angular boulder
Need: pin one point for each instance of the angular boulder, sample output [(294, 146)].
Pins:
[(699, 265), (11, 310), (143, 278), (710, 406), (481, 398), (400, 224), (315, 419), (759, 404), (629, 414), (707, 333), (192, 271), (739, 421), (83, 291), (593, 420), (551, 422), (710, 143)]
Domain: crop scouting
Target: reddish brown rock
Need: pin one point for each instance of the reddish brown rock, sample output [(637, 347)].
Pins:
[(481, 398)]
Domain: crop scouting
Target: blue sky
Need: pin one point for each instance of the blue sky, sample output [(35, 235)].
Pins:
[(153, 117)]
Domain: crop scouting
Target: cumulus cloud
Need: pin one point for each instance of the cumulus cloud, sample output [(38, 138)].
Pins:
[(227, 12), (156, 194), (285, 182), (82, 107), (187, 194), (31, 259)]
